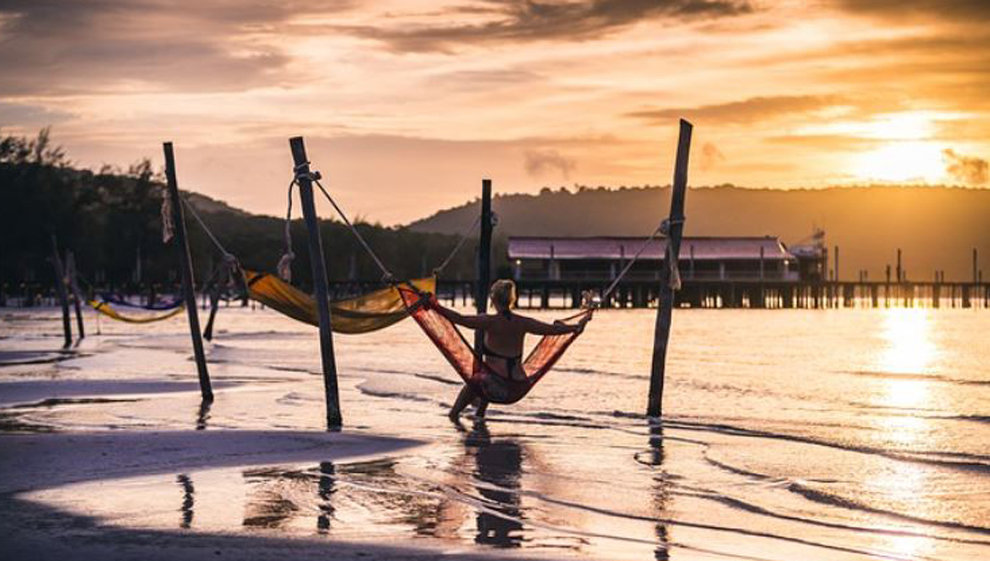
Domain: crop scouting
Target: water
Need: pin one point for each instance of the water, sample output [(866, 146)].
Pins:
[(797, 434)]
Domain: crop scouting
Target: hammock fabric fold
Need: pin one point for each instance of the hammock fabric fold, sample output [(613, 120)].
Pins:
[(476, 374), (108, 310), (363, 314)]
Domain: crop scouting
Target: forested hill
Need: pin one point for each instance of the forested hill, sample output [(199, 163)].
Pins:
[(936, 227), (111, 220)]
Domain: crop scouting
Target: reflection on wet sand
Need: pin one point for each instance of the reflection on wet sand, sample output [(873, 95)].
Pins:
[(499, 464), (186, 509), (268, 505), (326, 487), (661, 495), (203, 415)]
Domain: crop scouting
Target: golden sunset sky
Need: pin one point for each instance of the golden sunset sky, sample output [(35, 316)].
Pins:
[(406, 105)]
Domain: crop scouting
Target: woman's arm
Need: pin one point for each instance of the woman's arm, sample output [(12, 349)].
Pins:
[(471, 322), (538, 327)]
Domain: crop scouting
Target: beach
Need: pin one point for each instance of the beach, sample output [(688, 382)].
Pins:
[(788, 434)]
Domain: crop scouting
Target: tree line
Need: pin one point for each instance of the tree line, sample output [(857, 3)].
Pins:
[(111, 220)]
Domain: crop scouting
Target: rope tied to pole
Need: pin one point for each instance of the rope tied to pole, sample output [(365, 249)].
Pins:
[(674, 272), (284, 267), (168, 226)]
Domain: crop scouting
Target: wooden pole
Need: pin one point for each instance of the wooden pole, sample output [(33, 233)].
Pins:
[(319, 270), (976, 278), (60, 290), (70, 262), (661, 334), (185, 264), (836, 263), (484, 260)]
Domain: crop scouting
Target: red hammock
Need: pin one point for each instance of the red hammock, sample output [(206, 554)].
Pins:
[(476, 374)]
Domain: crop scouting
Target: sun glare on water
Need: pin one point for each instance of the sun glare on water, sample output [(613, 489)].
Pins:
[(910, 349)]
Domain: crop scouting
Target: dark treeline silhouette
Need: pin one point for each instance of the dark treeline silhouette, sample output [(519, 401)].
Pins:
[(111, 220)]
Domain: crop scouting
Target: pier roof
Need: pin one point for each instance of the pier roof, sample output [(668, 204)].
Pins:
[(610, 247)]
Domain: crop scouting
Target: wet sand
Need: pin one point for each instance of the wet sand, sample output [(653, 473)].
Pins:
[(853, 435)]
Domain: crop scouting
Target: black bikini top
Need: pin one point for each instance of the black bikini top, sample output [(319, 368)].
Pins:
[(488, 352)]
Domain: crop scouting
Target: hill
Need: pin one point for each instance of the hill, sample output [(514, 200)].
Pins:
[(936, 227)]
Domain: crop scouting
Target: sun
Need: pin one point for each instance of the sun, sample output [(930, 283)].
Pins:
[(901, 161)]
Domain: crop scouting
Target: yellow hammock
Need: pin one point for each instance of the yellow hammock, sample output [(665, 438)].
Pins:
[(108, 310), (363, 314)]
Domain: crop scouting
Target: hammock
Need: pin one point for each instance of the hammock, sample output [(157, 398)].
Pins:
[(108, 310), (476, 374), (363, 314)]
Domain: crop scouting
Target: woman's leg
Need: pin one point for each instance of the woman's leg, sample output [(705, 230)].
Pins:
[(481, 407), (463, 400)]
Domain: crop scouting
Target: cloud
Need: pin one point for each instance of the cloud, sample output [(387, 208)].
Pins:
[(905, 9), (741, 112), (539, 162), (532, 20), (24, 115), (711, 156), (57, 47), (968, 169)]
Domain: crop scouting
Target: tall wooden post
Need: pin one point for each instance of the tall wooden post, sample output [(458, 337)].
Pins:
[(70, 264), (319, 270), (484, 260), (185, 264), (976, 276), (836, 263), (662, 332), (60, 290)]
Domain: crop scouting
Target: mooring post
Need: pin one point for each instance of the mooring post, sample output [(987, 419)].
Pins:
[(319, 270), (976, 277), (185, 264), (484, 260), (70, 265), (661, 334), (60, 290)]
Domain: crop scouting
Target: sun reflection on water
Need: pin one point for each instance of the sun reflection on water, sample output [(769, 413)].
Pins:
[(909, 350)]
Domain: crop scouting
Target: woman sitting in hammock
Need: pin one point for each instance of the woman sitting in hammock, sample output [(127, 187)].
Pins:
[(502, 345)]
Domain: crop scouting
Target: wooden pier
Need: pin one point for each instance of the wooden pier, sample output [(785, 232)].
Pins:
[(695, 293), (747, 294)]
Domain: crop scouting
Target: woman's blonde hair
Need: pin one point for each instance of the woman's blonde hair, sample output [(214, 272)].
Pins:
[(503, 294)]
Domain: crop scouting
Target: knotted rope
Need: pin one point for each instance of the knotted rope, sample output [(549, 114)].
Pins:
[(284, 267)]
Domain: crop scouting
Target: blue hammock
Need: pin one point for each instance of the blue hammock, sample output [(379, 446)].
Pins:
[(164, 305)]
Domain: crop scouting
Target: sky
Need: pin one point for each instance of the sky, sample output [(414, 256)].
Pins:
[(406, 105)]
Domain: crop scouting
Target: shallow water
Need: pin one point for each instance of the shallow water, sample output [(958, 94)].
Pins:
[(789, 434)]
